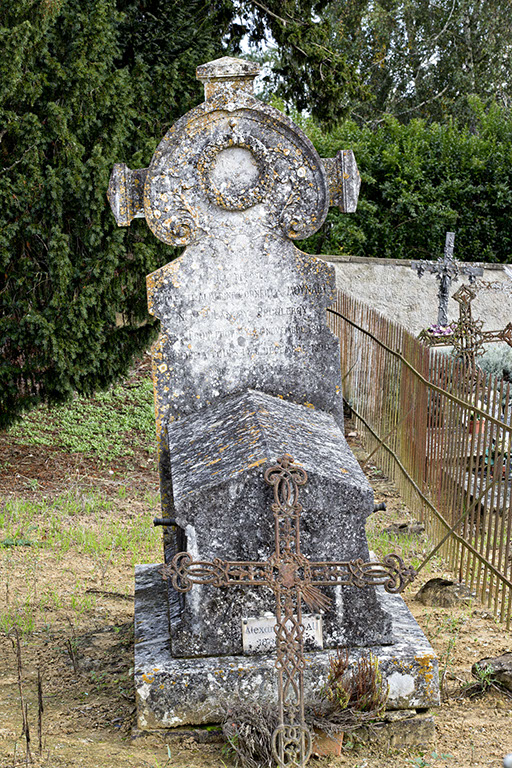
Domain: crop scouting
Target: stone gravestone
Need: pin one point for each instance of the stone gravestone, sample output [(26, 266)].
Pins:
[(246, 370)]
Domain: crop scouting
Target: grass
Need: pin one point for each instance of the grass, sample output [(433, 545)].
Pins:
[(80, 527), (89, 537), (84, 521), (411, 548), (105, 425)]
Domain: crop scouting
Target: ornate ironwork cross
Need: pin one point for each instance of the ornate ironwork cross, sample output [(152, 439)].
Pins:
[(294, 580), (446, 270), (467, 336)]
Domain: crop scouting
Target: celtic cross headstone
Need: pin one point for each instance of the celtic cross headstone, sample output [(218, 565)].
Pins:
[(245, 370)]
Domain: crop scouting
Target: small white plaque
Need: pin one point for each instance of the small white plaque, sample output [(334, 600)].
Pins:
[(258, 634)]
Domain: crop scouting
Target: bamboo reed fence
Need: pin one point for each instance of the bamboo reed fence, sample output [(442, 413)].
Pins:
[(443, 435)]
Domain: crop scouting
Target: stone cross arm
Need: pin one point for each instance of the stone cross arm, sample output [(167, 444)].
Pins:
[(126, 187)]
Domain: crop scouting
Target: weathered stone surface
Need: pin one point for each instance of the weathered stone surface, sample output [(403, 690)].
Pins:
[(235, 181), (223, 505), (500, 668), (391, 287), (175, 692), (248, 313), (417, 731), (444, 593)]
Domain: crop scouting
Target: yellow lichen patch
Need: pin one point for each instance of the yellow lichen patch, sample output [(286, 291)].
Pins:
[(425, 666), (255, 464), (215, 461), (343, 470), (309, 405), (148, 678)]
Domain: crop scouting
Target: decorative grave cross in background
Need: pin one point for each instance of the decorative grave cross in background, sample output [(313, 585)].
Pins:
[(467, 336), (293, 579), (446, 270)]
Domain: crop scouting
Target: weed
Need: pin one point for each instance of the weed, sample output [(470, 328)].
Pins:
[(410, 548), (453, 626), (484, 676), (167, 763), (65, 524), (100, 680), (103, 426), (17, 619), (425, 761)]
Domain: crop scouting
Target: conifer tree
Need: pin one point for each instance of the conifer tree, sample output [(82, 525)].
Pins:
[(85, 84), (73, 101)]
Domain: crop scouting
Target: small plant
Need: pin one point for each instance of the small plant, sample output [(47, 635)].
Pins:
[(453, 626), (352, 695), (248, 729), (497, 361), (485, 679)]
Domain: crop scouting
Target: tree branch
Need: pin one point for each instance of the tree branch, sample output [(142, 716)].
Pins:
[(267, 10), (10, 167)]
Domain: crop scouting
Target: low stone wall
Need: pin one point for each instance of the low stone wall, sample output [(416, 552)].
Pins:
[(391, 287)]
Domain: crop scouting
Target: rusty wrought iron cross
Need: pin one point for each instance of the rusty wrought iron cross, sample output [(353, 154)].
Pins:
[(294, 580), (446, 270), (467, 336)]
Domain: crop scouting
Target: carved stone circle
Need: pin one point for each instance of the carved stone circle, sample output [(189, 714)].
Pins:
[(229, 155)]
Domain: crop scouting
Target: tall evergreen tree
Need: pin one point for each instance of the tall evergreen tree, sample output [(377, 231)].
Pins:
[(310, 69), (85, 84)]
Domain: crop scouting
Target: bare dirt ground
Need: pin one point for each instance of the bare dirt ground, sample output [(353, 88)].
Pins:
[(77, 605)]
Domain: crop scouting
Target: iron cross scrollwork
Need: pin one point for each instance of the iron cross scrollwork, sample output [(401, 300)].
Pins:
[(446, 270), (294, 580), (467, 336)]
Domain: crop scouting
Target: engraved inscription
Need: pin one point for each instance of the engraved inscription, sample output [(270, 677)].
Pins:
[(258, 635)]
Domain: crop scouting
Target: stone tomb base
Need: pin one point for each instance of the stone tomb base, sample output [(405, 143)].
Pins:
[(176, 692)]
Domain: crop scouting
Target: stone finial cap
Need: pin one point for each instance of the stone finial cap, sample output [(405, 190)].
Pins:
[(236, 74)]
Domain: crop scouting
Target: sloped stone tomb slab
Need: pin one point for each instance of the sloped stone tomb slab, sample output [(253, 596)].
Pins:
[(223, 507)]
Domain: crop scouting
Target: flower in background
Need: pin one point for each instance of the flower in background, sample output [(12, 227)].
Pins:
[(442, 330)]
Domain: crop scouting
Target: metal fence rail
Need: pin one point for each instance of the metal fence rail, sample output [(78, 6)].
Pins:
[(443, 436)]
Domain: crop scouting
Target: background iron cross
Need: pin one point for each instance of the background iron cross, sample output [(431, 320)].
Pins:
[(446, 270), (468, 337), (294, 580)]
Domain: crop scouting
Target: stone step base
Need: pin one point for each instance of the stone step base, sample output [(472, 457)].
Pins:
[(178, 692)]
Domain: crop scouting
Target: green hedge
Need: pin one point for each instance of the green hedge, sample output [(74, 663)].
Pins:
[(79, 91), (420, 180)]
